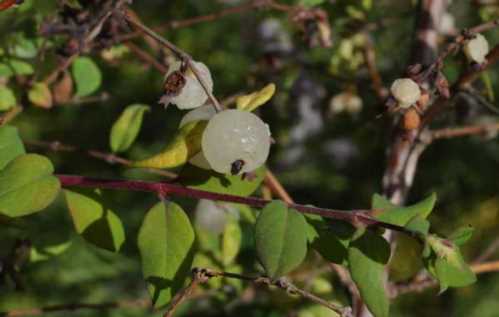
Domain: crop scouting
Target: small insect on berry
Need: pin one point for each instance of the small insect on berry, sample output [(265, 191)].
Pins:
[(236, 167)]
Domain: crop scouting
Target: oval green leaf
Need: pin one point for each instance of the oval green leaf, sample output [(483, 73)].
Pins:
[(40, 95), (27, 185), (7, 98), (87, 76), (281, 238), (165, 241), (127, 127), (11, 145), (367, 257), (94, 219)]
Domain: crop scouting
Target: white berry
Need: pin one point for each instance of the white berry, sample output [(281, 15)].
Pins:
[(476, 49), (345, 101), (406, 92), (192, 95), (210, 216), (236, 141)]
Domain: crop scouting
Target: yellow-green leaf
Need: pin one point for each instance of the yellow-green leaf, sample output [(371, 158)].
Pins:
[(87, 76), (94, 219), (281, 238), (7, 98), (11, 145), (27, 185), (252, 101), (184, 145), (127, 127), (231, 241), (40, 95), (165, 241)]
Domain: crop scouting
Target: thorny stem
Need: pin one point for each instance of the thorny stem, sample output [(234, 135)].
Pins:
[(357, 217)]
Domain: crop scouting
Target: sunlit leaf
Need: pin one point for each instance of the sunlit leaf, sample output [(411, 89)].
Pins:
[(127, 127), (281, 238), (11, 145), (27, 185), (40, 95), (367, 257), (7, 98), (87, 76), (165, 242), (94, 219), (254, 100)]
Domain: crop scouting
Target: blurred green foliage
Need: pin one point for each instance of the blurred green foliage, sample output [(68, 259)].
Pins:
[(337, 161)]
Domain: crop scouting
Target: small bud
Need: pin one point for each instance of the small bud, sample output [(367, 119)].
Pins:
[(63, 89), (405, 91), (411, 120), (476, 49), (442, 85), (423, 100)]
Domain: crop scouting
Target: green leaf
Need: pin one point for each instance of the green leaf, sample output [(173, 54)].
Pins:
[(27, 185), (331, 240), (165, 241), (447, 265), (281, 238), (202, 179), (462, 235), (11, 145), (406, 259), (45, 253), (7, 98), (402, 215), (94, 219), (87, 76), (418, 224), (15, 67), (231, 241), (40, 95), (127, 127), (367, 257)]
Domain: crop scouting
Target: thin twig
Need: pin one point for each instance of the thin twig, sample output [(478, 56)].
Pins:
[(146, 57), (490, 251), (449, 133), (109, 158), (283, 284), (273, 183), (425, 283), (198, 277)]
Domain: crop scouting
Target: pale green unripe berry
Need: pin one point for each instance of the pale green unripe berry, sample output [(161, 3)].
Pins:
[(406, 92), (203, 113), (236, 141), (476, 49), (192, 94)]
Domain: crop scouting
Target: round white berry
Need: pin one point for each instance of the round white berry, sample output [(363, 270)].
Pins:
[(210, 216), (192, 95), (236, 141), (345, 101), (476, 49), (405, 91)]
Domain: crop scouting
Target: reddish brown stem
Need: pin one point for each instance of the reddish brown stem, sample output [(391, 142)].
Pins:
[(355, 217)]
